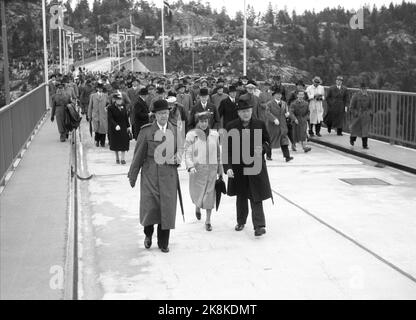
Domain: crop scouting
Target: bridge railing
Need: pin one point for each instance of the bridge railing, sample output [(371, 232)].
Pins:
[(394, 119), (17, 122)]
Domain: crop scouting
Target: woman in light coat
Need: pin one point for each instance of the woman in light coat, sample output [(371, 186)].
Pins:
[(316, 94), (203, 162)]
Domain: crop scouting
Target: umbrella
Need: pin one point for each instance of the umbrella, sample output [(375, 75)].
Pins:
[(90, 128), (180, 199), (219, 188)]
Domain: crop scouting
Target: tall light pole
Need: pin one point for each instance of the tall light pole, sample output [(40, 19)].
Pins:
[(45, 53), (245, 41), (5, 52)]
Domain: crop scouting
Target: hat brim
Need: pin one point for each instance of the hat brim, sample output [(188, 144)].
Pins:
[(171, 100), (250, 85)]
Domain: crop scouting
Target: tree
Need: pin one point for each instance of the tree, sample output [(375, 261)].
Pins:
[(269, 16), (251, 15)]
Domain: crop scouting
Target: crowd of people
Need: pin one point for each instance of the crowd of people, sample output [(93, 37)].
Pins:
[(193, 114)]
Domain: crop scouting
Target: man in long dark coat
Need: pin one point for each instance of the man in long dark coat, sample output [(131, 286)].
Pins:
[(159, 176), (59, 101), (336, 99), (361, 109), (228, 107), (248, 178), (140, 112)]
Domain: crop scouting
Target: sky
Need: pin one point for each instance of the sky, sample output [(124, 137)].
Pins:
[(299, 6)]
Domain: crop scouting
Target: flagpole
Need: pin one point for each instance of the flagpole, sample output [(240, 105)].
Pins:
[(5, 52), (245, 40), (45, 53), (118, 48), (131, 49), (163, 39), (60, 50), (96, 49), (82, 48)]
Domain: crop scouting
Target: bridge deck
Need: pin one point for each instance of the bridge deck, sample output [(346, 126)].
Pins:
[(326, 238)]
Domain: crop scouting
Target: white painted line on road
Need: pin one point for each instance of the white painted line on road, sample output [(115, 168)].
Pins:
[(378, 257)]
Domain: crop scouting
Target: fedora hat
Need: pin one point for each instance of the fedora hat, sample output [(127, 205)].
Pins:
[(243, 104), (317, 80), (160, 105)]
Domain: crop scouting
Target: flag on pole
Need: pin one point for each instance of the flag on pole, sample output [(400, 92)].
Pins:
[(167, 10), (136, 30), (99, 38)]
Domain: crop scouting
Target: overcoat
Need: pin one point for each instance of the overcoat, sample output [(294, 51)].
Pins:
[(97, 112), (118, 140), (214, 122), (140, 114), (316, 108), (278, 133), (361, 109), (203, 153), (255, 187), (158, 182), (299, 110), (228, 111), (336, 100)]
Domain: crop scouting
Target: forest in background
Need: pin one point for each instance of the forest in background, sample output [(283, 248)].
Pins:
[(310, 43)]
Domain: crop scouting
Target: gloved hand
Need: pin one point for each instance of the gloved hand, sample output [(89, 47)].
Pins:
[(117, 128), (230, 173), (276, 122), (192, 170)]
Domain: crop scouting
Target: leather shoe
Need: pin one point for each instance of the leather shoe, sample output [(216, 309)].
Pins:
[(198, 215), (208, 227), (123, 161), (269, 158), (239, 227), (165, 250), (289, 158), (97, 143), (118, 161), (147, 242), (259, 231)]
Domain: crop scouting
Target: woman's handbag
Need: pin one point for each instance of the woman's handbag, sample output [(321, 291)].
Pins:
[(219, 188)]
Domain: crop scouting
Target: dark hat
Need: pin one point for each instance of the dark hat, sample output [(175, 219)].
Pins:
[(267, 83), (150, 86), (244, 77), (251, 83), (204, 115), (59, 84), (220, 80), (160, 105), (160, 90), (143, 92), (180, 85), (340, 78), (277, 90), (243, 104), (232, 89), (117, 95), (277, 77), (203, 92), (363, 84), (300, 83)]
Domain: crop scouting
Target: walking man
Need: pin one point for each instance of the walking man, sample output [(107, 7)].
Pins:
[(248, 178), (336, 100), (159, 176)]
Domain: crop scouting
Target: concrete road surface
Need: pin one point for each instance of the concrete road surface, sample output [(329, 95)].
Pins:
[(326, 239)]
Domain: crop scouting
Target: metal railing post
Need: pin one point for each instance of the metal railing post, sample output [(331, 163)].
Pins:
[(393, 119)]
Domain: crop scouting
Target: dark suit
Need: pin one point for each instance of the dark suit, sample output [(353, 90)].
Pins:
[(215, 119), (336, 100), (227, 110), (140, 116), (255, 187)]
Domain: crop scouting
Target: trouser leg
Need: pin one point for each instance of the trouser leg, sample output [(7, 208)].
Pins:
[(162, 237), (60, 121), (311, 129), (339, 131), (102, 139), (148, 231), (290, 132), (318, 128), (269, 153), (242, 209), (285, 151), (97, 137), (257, 214), (352, 140), (365, 141)]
